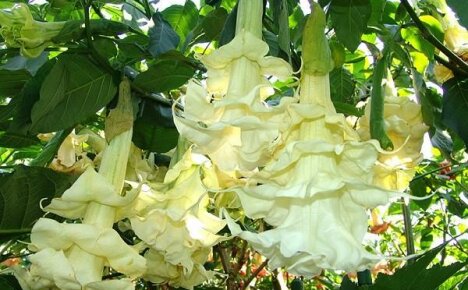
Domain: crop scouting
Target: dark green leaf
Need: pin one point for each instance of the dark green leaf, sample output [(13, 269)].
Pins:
[(136, 18), (415, 276), (29, 96), (14, 140), (74, 30), (21, 193), (8, 282), (455, 106), (342, 86), (281, 15), (349, 19), (105, 47), (213, 23), (162, 36), (73, 91), (182, 18), (460, 8), (272, 41), (418, 188), (165, 75), (49, 151), (347, 284), (12, 81), (154, 138), (229, 29), (347, 109)]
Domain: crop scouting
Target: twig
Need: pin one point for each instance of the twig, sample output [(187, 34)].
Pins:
[(426, 34), (254, 274)]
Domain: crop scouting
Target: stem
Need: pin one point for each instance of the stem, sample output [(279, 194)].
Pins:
[(249, 17), (426, 34), (410, 250), (377, 122)]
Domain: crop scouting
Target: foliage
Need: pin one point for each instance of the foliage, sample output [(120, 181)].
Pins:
[(73, 82)]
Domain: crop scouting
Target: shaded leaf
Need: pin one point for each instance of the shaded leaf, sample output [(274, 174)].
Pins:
[(164, 75), (347, 109), (342, 85), (418, 188), (74, 90), (349, 19), (21, 193), (213, 23), (229, 29), (9, 282), (455, 106), (14, 140), (347, 284), (162, 37), (12, 81)]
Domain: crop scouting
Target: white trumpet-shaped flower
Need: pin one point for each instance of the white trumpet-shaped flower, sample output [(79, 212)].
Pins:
[(315, 195), (230, 122), (174, 224)]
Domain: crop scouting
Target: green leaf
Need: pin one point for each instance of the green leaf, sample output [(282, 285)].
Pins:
[(455, 106), (154, 130), (8, 282), (272, 41), (21, 193), (182, 18), (12, 81), (347, 284), (162, 37), (414, 37), (347, 109), (49, 151), (74, 90), (21, 122), (281, 15), (418, 188), (164, 75), (14, 140), (349, 19), (415, 276), (342, 85), (229, 29), (213, 23), (460, 8)]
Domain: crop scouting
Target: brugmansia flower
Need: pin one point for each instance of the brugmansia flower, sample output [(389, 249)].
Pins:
[(316, 193), (405, 128), (230, 122), (175, 226), (19, 29), (72, 255), (70, 157)]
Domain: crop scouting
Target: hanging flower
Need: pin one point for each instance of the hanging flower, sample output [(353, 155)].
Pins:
[(174, 224), (19, 29)]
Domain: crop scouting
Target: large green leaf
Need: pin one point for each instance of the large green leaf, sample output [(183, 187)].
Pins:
[(162, 36), (342, 85), (21, 193), (414, 37), (349, 19), (229, 29), (73, 91), (165, 75), (455, 106), (182, 18), (415, 276), (213, 23), (12, 81), (154, 130), (21, 122)]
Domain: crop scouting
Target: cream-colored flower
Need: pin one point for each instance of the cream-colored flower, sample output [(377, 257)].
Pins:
[(176, 227), (405, 128), (316, 193)]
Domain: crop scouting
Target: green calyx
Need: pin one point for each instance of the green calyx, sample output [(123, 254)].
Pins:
[(315, 49)]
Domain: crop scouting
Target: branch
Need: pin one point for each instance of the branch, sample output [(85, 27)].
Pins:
[(426, 34), (254, 274)]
